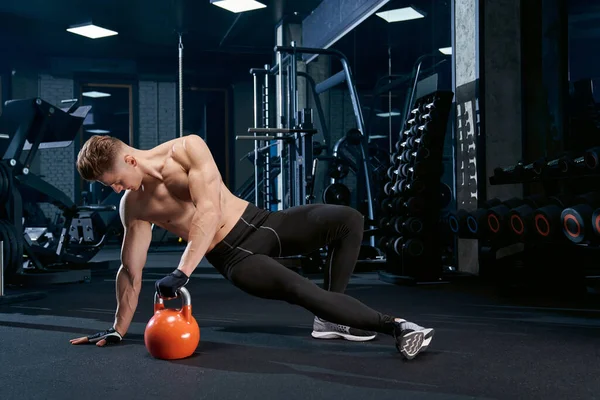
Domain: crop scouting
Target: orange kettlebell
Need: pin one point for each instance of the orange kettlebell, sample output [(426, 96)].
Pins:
[(172, 334)]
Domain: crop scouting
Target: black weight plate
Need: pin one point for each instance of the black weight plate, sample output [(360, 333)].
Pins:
[(9, 265), (445, 195), (337, 193), (354, 136)]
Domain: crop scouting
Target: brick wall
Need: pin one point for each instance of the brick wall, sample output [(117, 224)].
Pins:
[(148, 106), (167, 111), (157, 113), (57, 165)]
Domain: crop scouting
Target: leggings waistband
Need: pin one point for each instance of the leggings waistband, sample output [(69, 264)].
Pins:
[(252, 216)]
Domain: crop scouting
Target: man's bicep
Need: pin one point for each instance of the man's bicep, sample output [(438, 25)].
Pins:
[(205, 188)]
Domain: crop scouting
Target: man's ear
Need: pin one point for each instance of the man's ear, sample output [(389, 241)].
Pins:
[(129, 159)]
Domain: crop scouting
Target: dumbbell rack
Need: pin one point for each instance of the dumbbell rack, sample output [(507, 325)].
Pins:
[(410, 227), (545, 241)]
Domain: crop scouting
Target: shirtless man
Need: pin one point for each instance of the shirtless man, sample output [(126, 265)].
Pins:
[(178, 187)]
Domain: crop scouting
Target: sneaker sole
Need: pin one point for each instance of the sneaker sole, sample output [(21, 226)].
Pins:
[(337, 335), (414, 342)]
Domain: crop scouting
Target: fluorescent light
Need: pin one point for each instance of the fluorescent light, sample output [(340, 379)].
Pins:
[(91, 31), (400, 14), (238, 6), (388, 114), (97, 131), (446, 50), (94, 94)]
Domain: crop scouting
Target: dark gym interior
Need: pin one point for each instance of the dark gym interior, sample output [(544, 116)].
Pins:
[(466, 132)]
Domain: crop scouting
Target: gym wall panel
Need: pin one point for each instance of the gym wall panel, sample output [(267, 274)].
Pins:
[(242, 120), (57, 165), (556, 74), (465, 46), (167, 111), (502, 91), (157, 108), (24, 85), (148, 109), (465, 54)]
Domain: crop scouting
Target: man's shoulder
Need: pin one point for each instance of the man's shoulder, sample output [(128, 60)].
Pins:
[(191, 151), (127, 198), (129, 207)]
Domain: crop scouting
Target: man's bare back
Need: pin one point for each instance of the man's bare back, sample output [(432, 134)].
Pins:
[(166, 201)]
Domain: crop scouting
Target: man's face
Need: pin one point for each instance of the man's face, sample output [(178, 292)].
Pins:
[(123, 176)]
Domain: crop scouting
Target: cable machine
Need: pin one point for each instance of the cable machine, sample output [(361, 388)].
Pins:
[(291, 144)]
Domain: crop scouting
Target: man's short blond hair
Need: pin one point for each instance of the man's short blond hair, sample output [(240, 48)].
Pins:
[(97, 156)]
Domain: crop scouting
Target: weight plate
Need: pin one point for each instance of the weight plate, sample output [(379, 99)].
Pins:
[(337, 193), (445, 195), (387, 189), (354, 137), (414, 247), (391, 172), (382, 243), (338, 168)]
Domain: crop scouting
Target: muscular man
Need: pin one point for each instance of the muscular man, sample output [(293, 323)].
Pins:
[(178, 187)]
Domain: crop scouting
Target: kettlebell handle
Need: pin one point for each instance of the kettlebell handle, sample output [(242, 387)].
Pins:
[(186, 307), (181, 293)]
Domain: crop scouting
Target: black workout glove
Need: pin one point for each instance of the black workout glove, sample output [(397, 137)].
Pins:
[(167, 287), (111, 336)]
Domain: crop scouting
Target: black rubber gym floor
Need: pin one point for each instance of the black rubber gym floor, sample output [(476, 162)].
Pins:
[(486, 346)]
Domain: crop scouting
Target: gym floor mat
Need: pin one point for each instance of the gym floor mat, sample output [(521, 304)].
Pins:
[(485, 347)]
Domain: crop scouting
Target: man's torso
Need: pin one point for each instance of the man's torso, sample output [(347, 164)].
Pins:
[(168, 203)]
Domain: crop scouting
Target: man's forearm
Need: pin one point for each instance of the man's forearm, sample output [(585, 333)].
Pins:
[(202, 232), (128, 291)]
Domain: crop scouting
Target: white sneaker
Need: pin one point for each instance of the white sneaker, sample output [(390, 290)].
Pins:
[(326, 330), (411, 339)]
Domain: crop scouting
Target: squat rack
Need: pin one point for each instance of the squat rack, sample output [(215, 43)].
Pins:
[(289, 119)]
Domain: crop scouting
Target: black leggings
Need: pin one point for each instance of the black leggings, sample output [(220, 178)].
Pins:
[(244, 258)]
